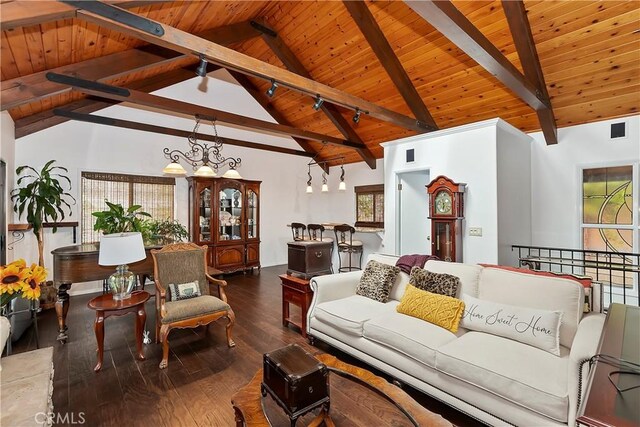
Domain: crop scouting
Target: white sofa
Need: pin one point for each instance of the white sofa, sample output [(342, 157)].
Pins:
[(493, 379), (26, 385)]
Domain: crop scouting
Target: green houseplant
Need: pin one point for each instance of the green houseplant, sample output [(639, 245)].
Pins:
[(44, 199), (117, 219), (164, 231)]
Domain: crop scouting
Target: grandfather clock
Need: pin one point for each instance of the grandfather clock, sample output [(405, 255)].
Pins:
[(446, 212)]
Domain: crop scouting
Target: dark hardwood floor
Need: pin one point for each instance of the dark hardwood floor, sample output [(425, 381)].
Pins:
[(203, 373)]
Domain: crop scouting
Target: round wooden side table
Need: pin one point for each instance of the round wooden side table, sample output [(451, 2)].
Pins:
[(105, 306)]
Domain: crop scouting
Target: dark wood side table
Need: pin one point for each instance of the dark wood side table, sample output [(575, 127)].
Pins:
[(105, 306), (603, 405), (297, 291)]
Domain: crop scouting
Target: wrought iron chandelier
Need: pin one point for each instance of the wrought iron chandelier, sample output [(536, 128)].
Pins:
[(209, 156)]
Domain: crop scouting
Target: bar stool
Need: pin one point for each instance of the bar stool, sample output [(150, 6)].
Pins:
[(346, 244), (298, 230), (315, 234)]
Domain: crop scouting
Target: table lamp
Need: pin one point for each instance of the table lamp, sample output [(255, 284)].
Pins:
[(120, 249)]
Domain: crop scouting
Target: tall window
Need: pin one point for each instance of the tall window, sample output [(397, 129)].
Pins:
[(607, 220), (370, 205), (154, 194)]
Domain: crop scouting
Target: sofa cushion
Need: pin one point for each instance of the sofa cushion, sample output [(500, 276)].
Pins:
[(527, 290), (539, 328), (468, 274), (437, 283), (400, 283), (524, 375), (440, 310), (349, 314), (408, 335), (376, 280)]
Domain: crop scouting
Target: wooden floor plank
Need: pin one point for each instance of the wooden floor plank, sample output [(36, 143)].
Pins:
[(203, 373)]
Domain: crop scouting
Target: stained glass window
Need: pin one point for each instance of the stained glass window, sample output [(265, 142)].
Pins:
[(607, 195), (370, 205)]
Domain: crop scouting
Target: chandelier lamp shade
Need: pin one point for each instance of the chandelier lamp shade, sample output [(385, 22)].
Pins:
[(205, 159), (325, 187)]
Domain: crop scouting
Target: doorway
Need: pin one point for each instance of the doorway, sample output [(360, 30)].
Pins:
[(413, 213)]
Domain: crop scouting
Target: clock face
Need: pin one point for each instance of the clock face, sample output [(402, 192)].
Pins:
[(443, 203)]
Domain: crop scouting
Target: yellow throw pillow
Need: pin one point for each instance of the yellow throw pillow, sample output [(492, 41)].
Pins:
[(438, 309)]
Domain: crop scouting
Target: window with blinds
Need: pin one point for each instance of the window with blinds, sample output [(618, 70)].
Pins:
[(154, 194)]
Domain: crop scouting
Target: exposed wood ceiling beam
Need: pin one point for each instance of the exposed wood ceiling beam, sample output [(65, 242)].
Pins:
[(190, 44), (46, 119), (34, 87), (363, 17), (449, 21), (525, 45), (265, 103), (25, 13), (289, 59), (126, 124), (174, 106)]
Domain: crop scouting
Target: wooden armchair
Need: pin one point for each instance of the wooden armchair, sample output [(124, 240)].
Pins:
[(180, 263)]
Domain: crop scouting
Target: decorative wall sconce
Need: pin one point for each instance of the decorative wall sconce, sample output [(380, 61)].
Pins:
[(207, 156)]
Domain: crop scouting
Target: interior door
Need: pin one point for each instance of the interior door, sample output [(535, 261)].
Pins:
[(413, 213)]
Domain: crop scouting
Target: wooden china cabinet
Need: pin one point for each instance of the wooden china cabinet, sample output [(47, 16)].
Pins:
[(224, 214)]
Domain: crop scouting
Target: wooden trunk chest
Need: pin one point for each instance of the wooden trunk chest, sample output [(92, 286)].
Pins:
[(297, 381), (309, 258)]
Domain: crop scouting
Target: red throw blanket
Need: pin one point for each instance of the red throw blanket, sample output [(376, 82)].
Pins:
[(407, 262)]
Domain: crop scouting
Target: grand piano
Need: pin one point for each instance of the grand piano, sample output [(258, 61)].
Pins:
[(79, 263)]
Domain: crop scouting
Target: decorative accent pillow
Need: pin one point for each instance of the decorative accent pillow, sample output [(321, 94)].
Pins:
[(538, 328), (182, 291), (438, 309), (436, 283), (376, 281)]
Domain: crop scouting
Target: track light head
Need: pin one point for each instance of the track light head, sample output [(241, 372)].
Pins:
[(272, 89), (356, 117), (318, 103), (201, 71)]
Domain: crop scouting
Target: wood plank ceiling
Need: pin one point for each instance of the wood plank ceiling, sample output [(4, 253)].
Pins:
[(589, 53)]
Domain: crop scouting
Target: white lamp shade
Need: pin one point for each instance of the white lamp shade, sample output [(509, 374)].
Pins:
[(309, 189), (174, 168), (121, 249), (325, 188), (205, 170), (232, 173), (342, 186)]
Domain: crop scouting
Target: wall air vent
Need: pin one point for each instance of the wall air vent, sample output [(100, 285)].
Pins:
[(411, 155), (618, 130)]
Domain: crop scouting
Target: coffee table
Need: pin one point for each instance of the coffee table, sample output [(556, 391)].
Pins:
[(358, 398)]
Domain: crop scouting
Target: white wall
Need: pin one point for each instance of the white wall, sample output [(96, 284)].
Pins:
[(514, 192), (7, 154), (556, 179), (465, 154), (87, 147)]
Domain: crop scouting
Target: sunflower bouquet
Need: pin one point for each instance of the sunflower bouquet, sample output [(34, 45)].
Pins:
[(18, 280)]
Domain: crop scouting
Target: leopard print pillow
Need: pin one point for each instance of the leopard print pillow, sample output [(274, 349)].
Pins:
[(437, 283), (376, 281)]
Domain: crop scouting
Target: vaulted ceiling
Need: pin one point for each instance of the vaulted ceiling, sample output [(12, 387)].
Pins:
[(589, 53)]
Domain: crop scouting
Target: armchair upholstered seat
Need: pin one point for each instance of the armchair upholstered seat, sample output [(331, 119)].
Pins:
[(181, 263)]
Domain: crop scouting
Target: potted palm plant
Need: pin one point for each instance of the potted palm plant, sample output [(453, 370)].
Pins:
[(42, 196)]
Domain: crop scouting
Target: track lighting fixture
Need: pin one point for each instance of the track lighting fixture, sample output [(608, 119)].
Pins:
[(202, 67), (318, 103), (272, 89), (356, 117)]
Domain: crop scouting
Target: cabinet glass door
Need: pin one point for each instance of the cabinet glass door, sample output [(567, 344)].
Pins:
[(442, 241), (204, 215), (252, 215), (230, 215)]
